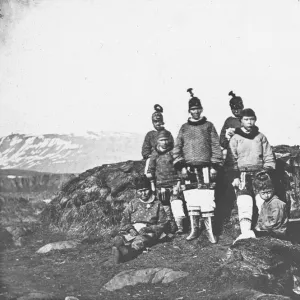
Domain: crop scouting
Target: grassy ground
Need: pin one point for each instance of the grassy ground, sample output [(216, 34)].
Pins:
[(81, 272)]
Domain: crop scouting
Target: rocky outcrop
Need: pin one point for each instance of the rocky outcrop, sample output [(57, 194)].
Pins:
[(264, 264), (95, 199)]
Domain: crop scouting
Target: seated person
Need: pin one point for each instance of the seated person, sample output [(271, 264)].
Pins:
[(272, 219), (143, 222)]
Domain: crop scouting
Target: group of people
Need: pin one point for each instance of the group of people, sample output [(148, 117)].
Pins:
[(188, 176)]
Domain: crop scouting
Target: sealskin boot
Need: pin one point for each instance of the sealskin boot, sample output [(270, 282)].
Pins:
[(179, 223), (194, 228), (170, 217), (209, 230), (246, 232)]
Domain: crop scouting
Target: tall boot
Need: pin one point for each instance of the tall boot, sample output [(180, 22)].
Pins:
[(246, 232), (209, 230), (179, 223), (170, 218), (194, 228)]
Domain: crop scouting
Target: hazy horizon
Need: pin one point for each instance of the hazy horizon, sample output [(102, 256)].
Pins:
[(101, 66)]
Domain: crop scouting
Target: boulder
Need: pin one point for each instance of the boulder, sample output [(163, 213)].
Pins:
[(59, 246), (265, 264), (150, 275)]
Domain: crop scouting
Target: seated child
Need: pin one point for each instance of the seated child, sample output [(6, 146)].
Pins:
[(272, 218), (167, 180), (143, 222)]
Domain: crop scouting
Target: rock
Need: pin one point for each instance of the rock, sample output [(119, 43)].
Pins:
[(264, 264), (36, 296), (247, 294), (71, 298), (58, 246), (296, 288), (150, 275)]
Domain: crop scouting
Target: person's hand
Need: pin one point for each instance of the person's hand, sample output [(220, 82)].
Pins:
[(133, 232), (229, 133), (184, 173), (149, 176), (236, 182), (176, 190), (213, 173)]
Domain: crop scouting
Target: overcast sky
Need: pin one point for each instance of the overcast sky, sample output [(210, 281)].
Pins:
[(76, 65)]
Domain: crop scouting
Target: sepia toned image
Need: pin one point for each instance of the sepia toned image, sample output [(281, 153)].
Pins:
[(149, 149)]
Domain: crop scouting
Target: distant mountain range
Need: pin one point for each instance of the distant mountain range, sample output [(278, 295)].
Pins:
[(68, 153)]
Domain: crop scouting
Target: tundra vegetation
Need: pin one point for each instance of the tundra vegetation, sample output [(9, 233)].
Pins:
[(82, 218)]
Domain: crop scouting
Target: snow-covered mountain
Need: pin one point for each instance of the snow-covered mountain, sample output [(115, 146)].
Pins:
[(67, 153)]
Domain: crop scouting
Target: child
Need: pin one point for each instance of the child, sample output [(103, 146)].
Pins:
[(143, 222), (161, 168), (150, 138), (197, 146), (249, 152), (272, 218)]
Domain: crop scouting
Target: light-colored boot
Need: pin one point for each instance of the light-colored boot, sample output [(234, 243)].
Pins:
[(246, 232), (245, 206), (209, 230), (194, 228), (179, 223)]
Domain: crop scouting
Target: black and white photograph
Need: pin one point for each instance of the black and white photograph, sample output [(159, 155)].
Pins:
[(149, 149)]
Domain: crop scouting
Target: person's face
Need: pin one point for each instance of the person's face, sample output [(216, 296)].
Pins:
[(163, 143), (267, 194), (248, 122), (158, 125), (196, 113), (143, 194), (236, 112)]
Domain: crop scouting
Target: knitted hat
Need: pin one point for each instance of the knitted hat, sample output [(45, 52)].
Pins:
[(194, 102), (263, 182), (248, 112), (142, 182), (235, 102), (157, 115), (163, 134)]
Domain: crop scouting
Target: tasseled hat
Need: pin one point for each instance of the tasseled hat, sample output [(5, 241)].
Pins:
[(263, 182), (248, 112), (194, 102), (142, 182), (235, 102), (157, 115)]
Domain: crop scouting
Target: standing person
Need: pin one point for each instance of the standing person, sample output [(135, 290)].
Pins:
[(225, 194), (150, 138), (231, 123), (249, 152), (272, 219), (143, 222), (167, 181), (197, 147)]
